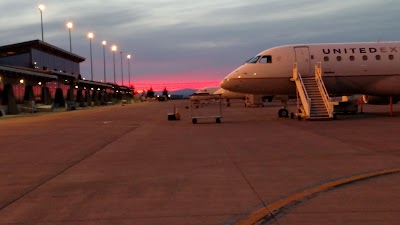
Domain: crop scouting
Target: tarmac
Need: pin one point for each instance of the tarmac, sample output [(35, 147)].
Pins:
[(130, 165)]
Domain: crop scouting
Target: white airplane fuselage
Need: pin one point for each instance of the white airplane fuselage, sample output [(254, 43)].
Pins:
[(349, 68)]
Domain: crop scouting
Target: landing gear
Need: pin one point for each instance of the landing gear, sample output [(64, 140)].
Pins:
[(283, 113)]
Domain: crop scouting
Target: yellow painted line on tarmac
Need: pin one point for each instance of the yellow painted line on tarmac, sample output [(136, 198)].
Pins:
[(280, 204)]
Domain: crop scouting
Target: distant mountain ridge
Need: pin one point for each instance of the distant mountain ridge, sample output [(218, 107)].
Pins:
[(184, 92)]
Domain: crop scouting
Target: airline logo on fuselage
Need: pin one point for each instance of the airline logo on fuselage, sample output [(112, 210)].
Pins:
[(327, 51)]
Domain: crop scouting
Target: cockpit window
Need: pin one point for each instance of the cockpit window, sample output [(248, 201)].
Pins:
[(253, 60), (266, 59)]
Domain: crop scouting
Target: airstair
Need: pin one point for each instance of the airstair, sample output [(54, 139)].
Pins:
[(316, 103)]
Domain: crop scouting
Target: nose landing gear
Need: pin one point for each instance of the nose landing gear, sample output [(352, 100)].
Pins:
[(283, 112)]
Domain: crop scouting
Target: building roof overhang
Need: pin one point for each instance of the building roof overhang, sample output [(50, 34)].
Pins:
[(93, 84), (42, 46), (24, 72)]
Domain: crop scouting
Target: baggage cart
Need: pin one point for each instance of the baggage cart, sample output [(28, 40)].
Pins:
[(206, 107)]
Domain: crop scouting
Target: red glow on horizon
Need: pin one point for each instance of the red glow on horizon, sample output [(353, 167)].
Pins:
[(193, 80), (174, 85), (177, 81)]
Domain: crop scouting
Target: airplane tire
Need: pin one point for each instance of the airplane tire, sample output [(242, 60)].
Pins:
[(218, 120), (194, 121), (283, 113)]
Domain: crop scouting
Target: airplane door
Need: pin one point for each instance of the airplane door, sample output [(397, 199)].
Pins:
[(303, 60)]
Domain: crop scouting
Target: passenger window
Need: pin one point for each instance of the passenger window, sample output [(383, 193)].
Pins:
[(378, 57), (339, 58), (266, 59), (365, 57), (326, 58), (391, 57), (351, 58)]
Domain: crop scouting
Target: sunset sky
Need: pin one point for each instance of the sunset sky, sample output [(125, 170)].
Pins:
[(192, 44)]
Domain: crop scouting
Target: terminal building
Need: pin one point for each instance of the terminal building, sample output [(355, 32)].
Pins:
[(35, 72)]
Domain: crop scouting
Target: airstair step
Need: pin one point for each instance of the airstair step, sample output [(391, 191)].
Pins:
[(319, 114), (318, 109)]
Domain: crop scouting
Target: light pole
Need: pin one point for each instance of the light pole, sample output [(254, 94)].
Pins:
[(129, 69), (41, 7), (90, 36), (69, 26), (122, 71), (113, 49), (104, 43)]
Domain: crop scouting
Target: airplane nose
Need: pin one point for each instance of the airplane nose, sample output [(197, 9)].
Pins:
[(225, 83), (228, 83)]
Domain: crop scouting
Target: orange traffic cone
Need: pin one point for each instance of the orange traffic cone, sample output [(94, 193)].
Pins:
[(177, 115)]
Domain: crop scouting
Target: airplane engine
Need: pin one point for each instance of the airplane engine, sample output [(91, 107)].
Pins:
[(378, 100)]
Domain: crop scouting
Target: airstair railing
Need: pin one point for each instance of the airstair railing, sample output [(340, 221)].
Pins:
[(301, 89), (322, 89)]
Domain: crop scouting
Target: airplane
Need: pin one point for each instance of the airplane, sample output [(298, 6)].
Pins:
[(202, 94), (229, 94), (216, 90), (207, 90), (371, 69)]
